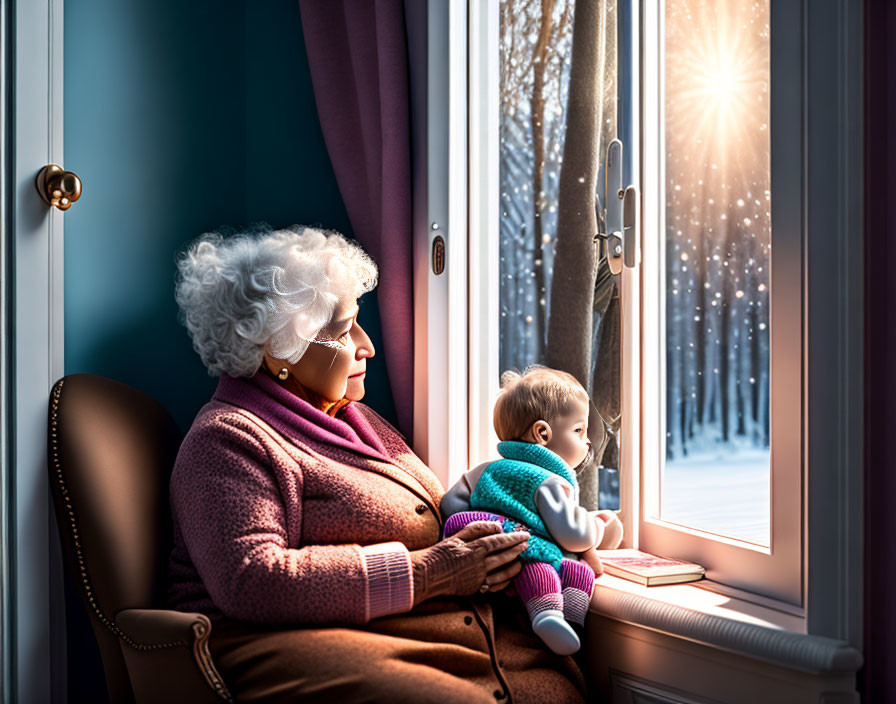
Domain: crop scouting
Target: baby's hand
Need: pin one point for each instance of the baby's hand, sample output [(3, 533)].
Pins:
[(612, 533), (590, 558), (610, 528)]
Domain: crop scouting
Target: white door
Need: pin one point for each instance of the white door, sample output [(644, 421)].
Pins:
[(32, 607)]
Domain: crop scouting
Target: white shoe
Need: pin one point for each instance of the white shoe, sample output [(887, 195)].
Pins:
[(552, 628)]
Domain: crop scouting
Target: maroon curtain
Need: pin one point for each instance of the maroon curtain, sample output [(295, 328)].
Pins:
[(357, 52), (879, 680)]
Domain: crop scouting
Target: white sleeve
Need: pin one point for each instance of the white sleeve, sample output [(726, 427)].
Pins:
[(571, 525)]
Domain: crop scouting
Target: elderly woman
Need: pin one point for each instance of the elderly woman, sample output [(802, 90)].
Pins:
[(304, 526)]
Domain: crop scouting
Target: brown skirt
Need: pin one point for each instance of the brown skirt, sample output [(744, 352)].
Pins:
[(445, 651)]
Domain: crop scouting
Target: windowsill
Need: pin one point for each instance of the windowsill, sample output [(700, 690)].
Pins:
[(703, 599), (732, 624)]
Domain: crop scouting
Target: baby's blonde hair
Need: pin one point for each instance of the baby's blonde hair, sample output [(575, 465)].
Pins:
[(539, 393)]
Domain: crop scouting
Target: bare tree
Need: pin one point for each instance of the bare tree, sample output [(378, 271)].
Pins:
[(725, 327), (701, 266), (539, 68)]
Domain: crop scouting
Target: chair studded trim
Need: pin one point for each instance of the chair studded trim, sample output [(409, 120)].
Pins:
[(204, 660), (200, 630)]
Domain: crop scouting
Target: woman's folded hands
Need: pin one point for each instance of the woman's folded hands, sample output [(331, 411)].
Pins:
[(479, 555)]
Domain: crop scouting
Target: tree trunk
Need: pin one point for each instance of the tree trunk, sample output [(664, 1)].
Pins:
[(670, 402), (539, 66), (607, 378), (575, 264), (724, 330), (683, 385), (755, 373), (701, 266), (740, 402)]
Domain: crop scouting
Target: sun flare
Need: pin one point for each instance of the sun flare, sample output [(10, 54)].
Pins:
[(717, 69)]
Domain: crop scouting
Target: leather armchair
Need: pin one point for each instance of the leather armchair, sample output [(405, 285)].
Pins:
[(110, 453)]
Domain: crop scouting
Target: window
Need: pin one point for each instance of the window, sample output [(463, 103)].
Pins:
[(801, 284), (696, 459), (715, 467), (722, 308)]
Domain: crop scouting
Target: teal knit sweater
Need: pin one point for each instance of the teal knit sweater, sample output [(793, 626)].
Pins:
[(507, 487)]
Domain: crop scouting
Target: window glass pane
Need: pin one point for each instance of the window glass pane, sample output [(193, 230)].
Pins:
[(718, 231), (536, 53)]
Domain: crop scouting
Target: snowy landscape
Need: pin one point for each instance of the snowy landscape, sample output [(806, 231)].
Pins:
[(723, 493)]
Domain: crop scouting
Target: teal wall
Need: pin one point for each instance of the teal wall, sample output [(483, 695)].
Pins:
[(180, 118)]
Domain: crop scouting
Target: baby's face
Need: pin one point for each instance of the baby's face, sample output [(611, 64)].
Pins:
[(569, 434)]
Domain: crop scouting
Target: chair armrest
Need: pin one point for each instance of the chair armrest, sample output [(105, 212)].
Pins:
[(160, 628), (154, 641)]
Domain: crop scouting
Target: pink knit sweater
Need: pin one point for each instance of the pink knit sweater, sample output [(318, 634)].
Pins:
[(285, 515)]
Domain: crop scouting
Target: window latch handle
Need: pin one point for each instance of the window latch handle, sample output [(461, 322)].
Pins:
[(613, 202), (620, 215)]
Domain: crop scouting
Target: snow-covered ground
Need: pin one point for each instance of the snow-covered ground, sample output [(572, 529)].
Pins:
[(720, 492)]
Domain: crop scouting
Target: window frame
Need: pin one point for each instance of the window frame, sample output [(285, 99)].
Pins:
[(776, 571), (484, 267), (827, 59), (437, 48)]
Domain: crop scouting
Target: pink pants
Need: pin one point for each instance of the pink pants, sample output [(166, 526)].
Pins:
[(538, 584)]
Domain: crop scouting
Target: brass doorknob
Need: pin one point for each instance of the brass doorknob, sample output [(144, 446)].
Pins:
[(58, 187)]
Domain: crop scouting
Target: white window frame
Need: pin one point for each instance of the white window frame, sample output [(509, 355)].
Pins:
[(484, 267), (776, 571), (457, 335), (437, 37), (816, 293)]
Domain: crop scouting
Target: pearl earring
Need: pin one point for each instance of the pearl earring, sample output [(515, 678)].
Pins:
[(284, 374)]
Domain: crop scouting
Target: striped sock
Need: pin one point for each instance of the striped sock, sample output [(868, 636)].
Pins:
[(546, 602), (575, 605), (577, 579), (538, 585)]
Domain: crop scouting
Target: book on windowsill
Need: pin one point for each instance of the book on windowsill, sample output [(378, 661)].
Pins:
[(648, 569)]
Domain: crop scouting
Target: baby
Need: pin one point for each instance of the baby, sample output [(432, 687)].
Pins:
[(541, 417)]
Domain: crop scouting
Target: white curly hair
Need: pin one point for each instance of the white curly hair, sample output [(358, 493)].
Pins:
[(274, 291)]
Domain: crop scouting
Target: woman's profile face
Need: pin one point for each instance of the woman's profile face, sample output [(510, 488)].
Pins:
[(335, 363)]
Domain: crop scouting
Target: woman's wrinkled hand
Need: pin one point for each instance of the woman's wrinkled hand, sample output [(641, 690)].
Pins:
[(478, 554)]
